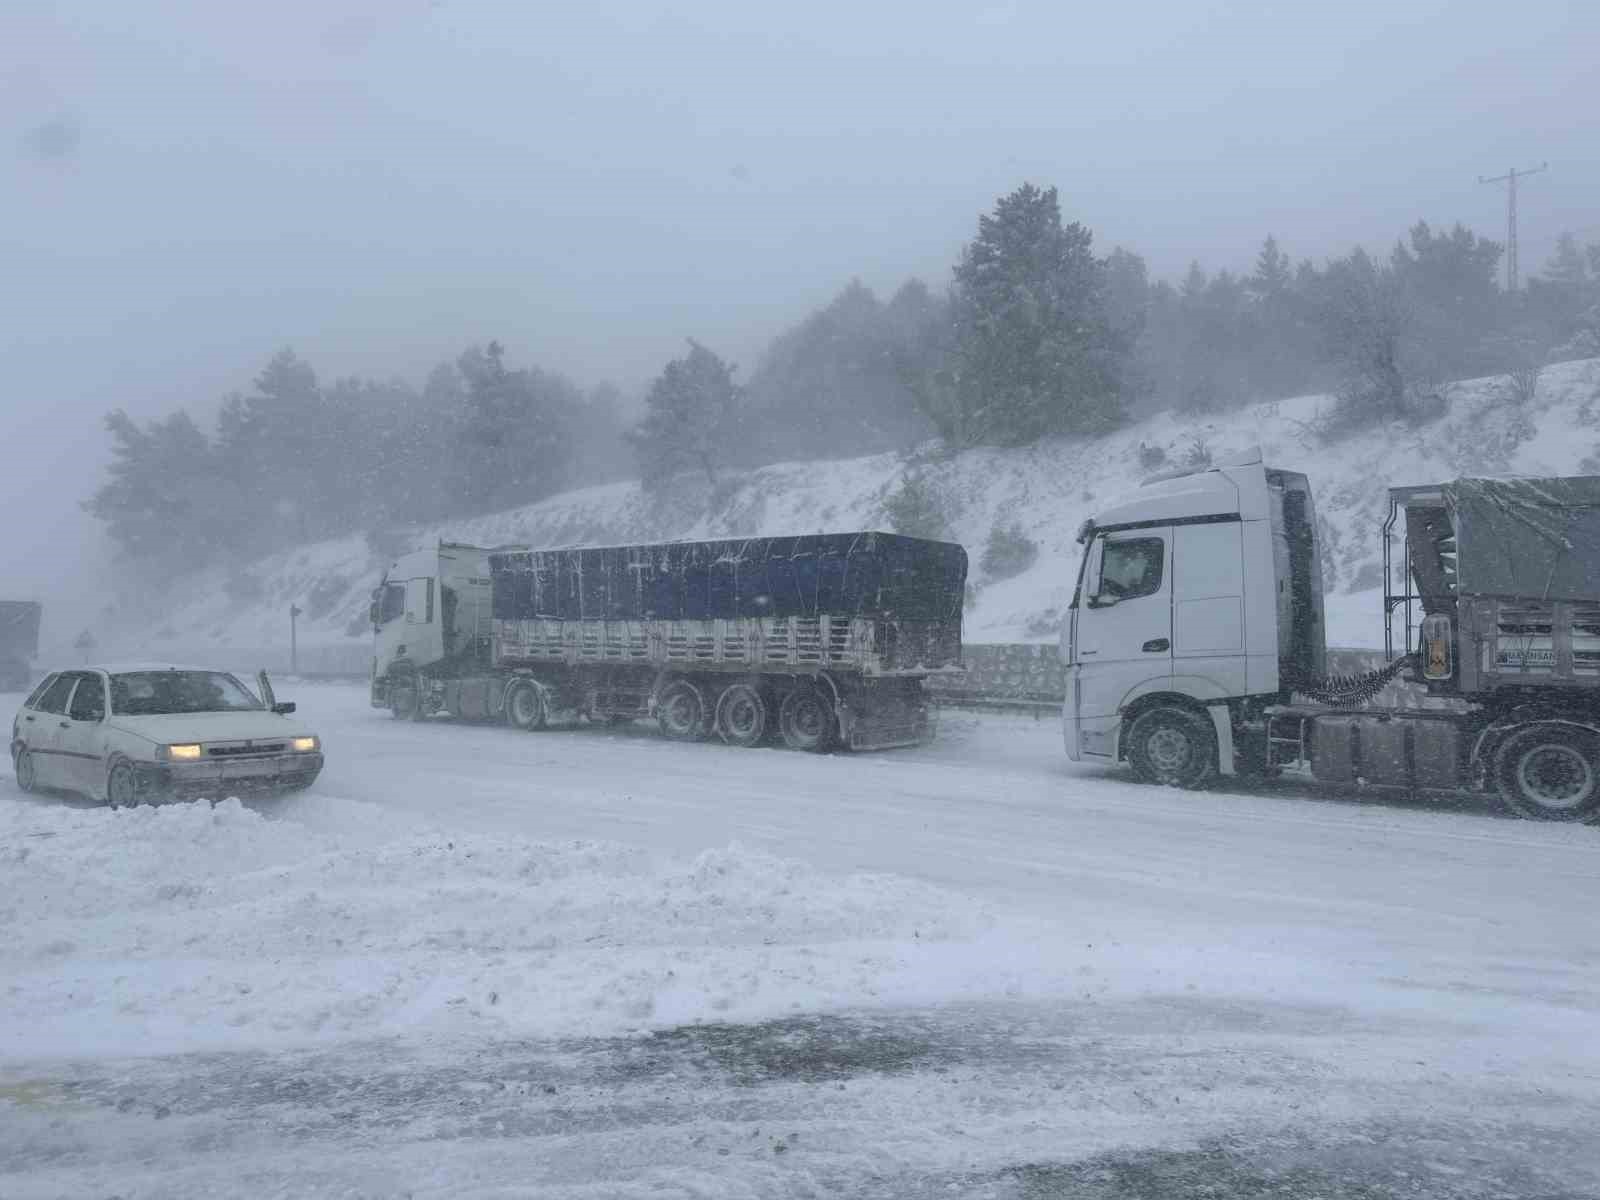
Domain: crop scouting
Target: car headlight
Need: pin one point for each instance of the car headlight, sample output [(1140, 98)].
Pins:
[(184, 752), (304, 745)]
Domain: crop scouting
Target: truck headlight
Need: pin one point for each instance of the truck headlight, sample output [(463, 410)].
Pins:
[(304, 745), (184, 752)]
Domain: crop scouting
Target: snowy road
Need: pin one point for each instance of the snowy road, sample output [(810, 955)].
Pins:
[(589, 962)]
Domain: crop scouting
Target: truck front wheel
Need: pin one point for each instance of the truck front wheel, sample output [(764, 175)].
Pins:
[(525, 707), (405, 698), (1550, 773), (1173, 747)]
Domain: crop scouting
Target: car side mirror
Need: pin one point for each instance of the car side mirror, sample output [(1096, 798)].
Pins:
[(284, 708)]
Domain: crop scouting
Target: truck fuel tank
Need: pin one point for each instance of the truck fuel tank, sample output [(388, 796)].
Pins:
[(1406, 750)]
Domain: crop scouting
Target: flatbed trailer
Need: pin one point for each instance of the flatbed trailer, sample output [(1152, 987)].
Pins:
[(817, 640)]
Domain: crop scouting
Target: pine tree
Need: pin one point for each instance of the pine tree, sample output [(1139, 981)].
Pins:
[(1272, 275), (1035, 349), (1456, 305), (165, 501), (689, 420), (275, 445), (514, 434)]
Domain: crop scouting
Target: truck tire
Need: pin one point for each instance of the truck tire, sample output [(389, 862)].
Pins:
[(807, 721), (525, 708), (1173, 747), (405, 698), (1550, 772), (681, 712), (742, 716)]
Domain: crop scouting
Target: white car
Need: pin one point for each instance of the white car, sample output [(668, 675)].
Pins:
[(142, 734)]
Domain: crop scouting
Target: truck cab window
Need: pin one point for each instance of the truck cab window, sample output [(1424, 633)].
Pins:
[(1131, 568), (391, 602)]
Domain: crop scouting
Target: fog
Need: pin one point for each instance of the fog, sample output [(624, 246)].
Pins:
[(189, 187)]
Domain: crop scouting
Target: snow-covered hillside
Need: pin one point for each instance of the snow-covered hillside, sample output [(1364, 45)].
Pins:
[(1046, 489)]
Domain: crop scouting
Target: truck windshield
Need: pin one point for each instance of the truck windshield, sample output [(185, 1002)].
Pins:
[(153, 693)]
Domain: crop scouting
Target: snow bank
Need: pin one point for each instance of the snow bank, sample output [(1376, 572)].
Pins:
[(192, 926)]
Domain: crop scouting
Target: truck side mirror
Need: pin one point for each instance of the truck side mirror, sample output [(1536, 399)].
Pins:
[(1103, 600)]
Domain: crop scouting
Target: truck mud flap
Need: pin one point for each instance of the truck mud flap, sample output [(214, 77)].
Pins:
[(886, 729)]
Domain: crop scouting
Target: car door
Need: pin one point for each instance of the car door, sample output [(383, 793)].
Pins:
[(81, 741), (41, 730), (1124, 619)]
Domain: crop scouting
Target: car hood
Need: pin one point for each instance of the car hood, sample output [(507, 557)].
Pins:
[(209, 727)]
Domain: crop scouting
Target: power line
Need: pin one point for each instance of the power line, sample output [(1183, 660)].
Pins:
[(1510, 180)]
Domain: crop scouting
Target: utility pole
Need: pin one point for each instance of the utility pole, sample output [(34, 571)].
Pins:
[(294, 644), (1510, 180)]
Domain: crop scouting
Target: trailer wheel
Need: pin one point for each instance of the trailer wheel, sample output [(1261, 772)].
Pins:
[(1550, 773), (806, 720), (1173, 747), (680, 712), (741, 715), (525, 707)]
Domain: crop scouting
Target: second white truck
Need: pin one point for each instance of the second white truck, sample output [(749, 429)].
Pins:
[(1195, 641)]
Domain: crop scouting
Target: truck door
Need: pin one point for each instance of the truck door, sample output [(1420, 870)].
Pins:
[(1208, 603), (1124, 619)]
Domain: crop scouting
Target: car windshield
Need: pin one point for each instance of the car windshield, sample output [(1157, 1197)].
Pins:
[(152, 693)]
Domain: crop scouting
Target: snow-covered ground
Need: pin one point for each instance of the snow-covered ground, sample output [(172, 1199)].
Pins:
[(1046, 490), (473, 962)]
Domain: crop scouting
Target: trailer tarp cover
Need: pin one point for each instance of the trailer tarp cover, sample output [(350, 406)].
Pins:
[(1531, 538), (854, 574), (19, 628)]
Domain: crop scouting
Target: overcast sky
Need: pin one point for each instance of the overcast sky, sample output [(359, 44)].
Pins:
[(187, 187)]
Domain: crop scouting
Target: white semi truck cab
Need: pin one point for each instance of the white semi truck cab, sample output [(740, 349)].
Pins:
[(431, 610), (1196, 647)]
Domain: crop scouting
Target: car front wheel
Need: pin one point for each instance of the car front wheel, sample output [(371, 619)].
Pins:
[(27, 780), (122, 786)]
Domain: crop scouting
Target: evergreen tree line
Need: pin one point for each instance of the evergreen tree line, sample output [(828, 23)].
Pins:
[(292, 459), (1034, 335)]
